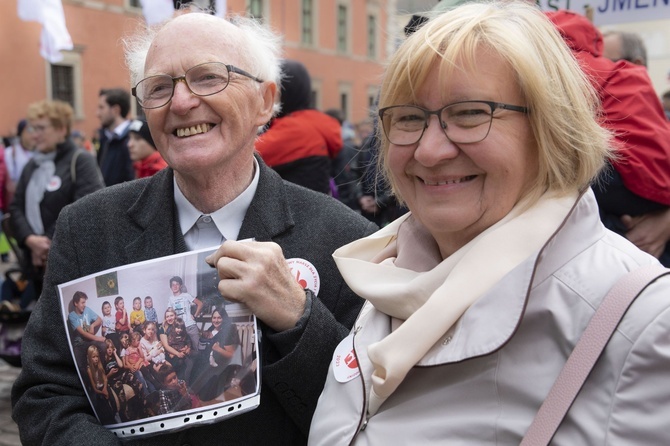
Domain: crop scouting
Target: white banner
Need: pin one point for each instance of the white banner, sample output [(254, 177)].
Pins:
[(157, 11), (609, 12), (55, 36), (220, 8)]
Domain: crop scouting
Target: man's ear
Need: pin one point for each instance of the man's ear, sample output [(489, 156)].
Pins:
[(268, 96)]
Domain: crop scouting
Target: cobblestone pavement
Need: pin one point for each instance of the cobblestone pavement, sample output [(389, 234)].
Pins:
[(9, 432)]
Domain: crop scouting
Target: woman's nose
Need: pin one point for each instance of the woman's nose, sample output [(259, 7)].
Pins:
[(434, 146)]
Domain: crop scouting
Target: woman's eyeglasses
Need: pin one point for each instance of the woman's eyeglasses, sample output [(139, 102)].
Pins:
[(462, 122)]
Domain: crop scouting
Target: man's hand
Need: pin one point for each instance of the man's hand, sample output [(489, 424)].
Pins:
[(649, 232), (256, 274)]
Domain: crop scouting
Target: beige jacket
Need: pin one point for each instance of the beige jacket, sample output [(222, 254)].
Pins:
[(486, 381)]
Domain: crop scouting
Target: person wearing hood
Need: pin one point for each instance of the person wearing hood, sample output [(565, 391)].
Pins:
[(146, 159), (633, 193), (57, 175), (301, 142)]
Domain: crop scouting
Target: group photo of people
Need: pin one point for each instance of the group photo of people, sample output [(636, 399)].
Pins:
[(148, 344)]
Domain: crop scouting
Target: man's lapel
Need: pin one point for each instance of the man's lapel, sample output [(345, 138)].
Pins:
[(154, 213), (269, 213)]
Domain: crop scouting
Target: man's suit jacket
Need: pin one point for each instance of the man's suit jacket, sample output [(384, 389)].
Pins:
[(137, 221)]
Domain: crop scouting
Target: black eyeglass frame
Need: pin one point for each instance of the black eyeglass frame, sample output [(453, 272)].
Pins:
[(230, 68), (427, 113)]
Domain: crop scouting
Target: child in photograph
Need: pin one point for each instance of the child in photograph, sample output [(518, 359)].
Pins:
[(122, 319), (109, 325), (182, 303), (179, 348), (124, 340), (105, 408), (137, 315), (153, 352), (108, 320), (123, 383), (133, 359), (174, 395), (149, 310), (151, 346)]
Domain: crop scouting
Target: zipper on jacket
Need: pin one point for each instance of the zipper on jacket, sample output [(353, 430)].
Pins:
[(363, 421)]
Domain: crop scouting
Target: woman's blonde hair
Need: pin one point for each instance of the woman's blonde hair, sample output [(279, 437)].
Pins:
[(563, 105)]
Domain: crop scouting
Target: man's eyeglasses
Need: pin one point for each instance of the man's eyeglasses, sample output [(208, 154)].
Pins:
[(463, 122), (202, 80)]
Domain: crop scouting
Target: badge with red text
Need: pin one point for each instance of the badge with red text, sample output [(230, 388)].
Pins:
[(305, 274), (345, 363), (54, 184)]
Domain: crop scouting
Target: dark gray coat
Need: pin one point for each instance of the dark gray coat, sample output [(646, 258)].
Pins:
[(137, 221)]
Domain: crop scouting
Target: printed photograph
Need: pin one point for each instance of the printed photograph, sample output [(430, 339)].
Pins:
[(155, 339)]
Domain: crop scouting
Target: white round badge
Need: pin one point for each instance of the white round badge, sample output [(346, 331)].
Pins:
[(54, 184), (305, 274), (345, 363)]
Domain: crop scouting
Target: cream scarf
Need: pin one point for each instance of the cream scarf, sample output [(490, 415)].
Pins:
[(37, 186), (400, 271)]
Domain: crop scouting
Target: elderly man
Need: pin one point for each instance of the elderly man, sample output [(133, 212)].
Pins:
[(204, 97)]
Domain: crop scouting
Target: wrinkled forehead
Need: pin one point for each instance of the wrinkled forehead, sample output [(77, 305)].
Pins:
[(192, 39)]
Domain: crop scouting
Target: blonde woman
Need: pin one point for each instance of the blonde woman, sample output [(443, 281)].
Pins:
[(476, 298)]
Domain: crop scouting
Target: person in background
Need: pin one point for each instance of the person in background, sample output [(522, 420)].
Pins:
[(375, 199), (4, 207), (204, 125), (146, 159), (649, 231), (490, 134), (80, 141), (618, 45), (17, 155), (53, 178), (633, 192), (666, 103), (301, 143), (345, 165), (113, 155)]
